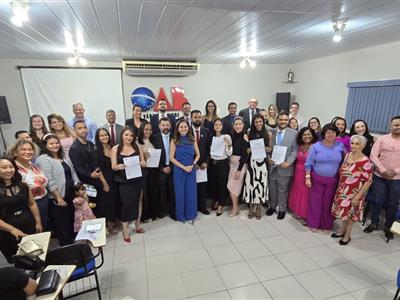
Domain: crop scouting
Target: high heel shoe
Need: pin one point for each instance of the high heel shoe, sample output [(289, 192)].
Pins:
[(233, 212), (258, 212), (343, 243), (126, 239), (219, 211), (251, 212)]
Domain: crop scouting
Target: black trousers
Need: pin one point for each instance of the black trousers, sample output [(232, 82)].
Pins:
[(201, 196), (62, 221), (218, 179), (166, 194)]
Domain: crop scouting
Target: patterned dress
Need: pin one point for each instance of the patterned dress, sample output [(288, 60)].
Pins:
[(256, 182), (352, 178), (82, 212)]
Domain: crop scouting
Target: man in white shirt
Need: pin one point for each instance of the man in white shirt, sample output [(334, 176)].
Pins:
[(248, 113), (113, 128), (79, 112), (294, 113)]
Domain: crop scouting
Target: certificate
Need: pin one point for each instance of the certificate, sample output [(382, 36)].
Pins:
[(132, 167), (154, 160), (258, 149), (201, 175), (217, 146), (279, 154)]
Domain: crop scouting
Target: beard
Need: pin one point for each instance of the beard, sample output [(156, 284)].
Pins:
[(197, 123)]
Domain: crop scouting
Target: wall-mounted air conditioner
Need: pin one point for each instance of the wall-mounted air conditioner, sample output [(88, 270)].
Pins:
[(159, 68)]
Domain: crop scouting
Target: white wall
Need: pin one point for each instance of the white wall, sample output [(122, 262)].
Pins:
[(322, 87), (223, 83)]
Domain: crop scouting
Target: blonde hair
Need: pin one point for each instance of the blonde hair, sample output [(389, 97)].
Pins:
[(68, 131), (12, 151)]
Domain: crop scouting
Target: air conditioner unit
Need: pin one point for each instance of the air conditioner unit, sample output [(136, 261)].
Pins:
[(159, 68)]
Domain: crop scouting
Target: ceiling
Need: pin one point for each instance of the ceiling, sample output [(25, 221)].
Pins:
[(217, 31)]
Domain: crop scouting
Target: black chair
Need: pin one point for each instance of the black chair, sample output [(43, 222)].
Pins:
[(82, 256)]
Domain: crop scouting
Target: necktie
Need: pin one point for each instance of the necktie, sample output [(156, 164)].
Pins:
[(280, 136), (112, 134), (197, 136), (166, 146)]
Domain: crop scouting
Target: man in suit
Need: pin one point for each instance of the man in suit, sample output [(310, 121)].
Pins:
[(248, 113), (281, 175), (186, 108), (113, 128), (202, 137), (165, 184), (154, 120), (227, 121)]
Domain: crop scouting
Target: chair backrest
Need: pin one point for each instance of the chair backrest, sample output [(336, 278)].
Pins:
[(74, 254)]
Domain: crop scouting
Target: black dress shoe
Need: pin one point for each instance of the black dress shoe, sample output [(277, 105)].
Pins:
[(204, 211), (335, 235), (270, 212), (388, 235), (370, 228), (281, 215), (343, 243)]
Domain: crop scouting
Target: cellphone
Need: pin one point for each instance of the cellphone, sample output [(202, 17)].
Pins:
[(98, 169)]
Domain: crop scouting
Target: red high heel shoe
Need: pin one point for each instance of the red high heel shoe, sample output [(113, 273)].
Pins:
[(127, 240)]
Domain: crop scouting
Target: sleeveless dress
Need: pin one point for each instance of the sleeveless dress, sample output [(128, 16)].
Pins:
[(130, 191), (109, 200)]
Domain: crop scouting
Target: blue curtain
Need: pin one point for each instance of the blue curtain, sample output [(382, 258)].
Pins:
[(376, 102)]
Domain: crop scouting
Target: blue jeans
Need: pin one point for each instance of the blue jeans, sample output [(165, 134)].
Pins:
[(387, 194)]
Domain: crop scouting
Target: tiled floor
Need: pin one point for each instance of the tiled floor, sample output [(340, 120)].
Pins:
[(238, 258)]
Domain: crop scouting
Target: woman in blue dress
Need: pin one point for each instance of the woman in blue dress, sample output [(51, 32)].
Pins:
[(184, 154)]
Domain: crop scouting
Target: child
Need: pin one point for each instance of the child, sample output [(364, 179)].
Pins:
[(82, 210)]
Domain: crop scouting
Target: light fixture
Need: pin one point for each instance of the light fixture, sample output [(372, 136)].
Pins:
[(20, 10), (75, 47), (247, 60), (338, 28)]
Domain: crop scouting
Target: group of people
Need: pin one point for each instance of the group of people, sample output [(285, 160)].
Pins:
[(57, 176)]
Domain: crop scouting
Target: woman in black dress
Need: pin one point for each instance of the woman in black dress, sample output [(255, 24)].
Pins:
[(109, 200), (136, 120), (19, 214), (210, 116), (130, 190)]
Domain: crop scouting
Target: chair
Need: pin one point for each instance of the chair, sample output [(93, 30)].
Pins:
[(82, 256), (396, 296)]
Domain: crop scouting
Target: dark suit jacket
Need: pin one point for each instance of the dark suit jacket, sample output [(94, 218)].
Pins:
[(227, 124), (204, 145), (157, 141), (118, 130), (156, 118), (244, 113)]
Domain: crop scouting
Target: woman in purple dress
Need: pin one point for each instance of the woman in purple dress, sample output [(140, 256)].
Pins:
[(298, 197)]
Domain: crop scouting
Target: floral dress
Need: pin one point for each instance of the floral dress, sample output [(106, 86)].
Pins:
[(352, 178)]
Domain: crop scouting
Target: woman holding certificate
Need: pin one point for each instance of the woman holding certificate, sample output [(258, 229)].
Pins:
[(184, 154), (221, 149), (256, 182), (127, 160)]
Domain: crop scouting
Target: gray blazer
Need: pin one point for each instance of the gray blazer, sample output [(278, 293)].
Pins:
[(289, 140), (54, 172), (118, 130)]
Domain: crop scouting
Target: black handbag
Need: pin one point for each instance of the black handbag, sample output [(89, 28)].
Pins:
[(28, 262), (48, 282)]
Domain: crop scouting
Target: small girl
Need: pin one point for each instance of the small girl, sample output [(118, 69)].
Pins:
[(82, 210)]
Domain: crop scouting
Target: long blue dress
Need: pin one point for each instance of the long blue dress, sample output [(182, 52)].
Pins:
[(185, 183)]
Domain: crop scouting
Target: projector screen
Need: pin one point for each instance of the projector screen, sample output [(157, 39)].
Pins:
[(55, 90)]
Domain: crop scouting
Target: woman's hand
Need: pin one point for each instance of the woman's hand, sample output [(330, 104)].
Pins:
[(38, 227), (17, 233), (61, 202), (146, 155), (121, 167), (355, 201), (143, 163), (227, 140), (188, 169), (308, 182), (106, 187), (237, 175)]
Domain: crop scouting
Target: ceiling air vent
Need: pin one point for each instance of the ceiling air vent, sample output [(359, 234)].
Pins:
[(159, 68)]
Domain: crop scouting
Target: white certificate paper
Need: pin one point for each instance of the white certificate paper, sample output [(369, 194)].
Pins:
[(258, 149), (217, 146), (278, 154), (154, 160), (201, 175), (132, 167)]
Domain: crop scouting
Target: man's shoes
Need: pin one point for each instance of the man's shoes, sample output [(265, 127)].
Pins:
[(281, 215), (204, 211), (270, 212), (370, 228), (388, 235)]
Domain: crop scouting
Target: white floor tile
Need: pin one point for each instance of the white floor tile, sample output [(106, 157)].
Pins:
[(391, 259), (224, 254), (236, 275), (350, 277), (213, 296), (377, 270), (128, 253), (376, 245), (188, 242), (215, 238), (304, 239), (373, 293), (160, 266), (278, 244), (319, 284), (126, 273), (267, 268), (254, 291), (390, 286), (180, 229), (167, 288), (263, 229), (350, 252), (286, 288), (324, 256), (252, 249), (206, 225), (202, 282), (297, 262), (158, 246), (192, 260), (346, 296), (225, 222), (135, 290), (239, 234)]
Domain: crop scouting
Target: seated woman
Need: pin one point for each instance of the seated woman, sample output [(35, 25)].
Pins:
[(355, 179), (19, 214)]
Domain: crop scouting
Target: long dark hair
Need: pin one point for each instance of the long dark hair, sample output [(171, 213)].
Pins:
[(222, 123), (254, 134), (16, 180), (44, 150), (299, 138), (366, 133), (133, 144), (316, 119), (99, 145), (344, 133), (215, 108), (32, 131), (140, 137), (177, 135)]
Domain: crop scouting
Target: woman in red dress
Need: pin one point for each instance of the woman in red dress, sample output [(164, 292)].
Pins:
[(355, 179)]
